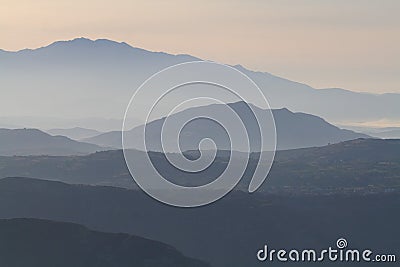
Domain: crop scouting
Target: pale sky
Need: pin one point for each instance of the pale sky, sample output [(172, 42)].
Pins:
[(333, 43)]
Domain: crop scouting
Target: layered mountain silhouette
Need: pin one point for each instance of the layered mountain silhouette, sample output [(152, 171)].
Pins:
[(325, 182), (35, 142), (294, 130), (227, 233), (44, 243), (353, 165), (99, 78)]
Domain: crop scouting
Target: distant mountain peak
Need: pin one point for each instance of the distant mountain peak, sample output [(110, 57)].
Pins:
[(80, 47), (82, 42), (102, 70), (80, 39)]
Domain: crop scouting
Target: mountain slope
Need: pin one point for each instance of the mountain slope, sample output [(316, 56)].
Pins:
[(294, 130), (41, 243), (35, 142), (104, 74)]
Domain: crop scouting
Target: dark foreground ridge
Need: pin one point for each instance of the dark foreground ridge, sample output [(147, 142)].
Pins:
[(226, 233), (43, 243)]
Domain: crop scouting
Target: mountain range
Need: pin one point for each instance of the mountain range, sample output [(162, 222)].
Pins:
[(293, 130), (68, 199), (100, 76)]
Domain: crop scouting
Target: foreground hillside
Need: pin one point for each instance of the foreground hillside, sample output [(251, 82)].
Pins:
[(227, 233), (40, 243)]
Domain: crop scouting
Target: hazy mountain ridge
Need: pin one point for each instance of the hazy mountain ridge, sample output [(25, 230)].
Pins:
[(50, 122), (294, 130), (76, 133), (107, 72), (35, 142)]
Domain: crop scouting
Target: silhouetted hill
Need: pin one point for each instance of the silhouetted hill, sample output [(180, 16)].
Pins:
[(294, 130), (35, 142), (43, 243), (227, 233)]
